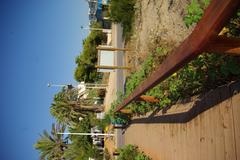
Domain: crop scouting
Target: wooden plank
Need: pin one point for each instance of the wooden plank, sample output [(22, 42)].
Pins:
[(196, 142), (236, 121), (171, 142), (182, 139), (219, 134), (193, 143), (203, 146), (178, 145), (185, 138), (229, 139), (222, 44), (212, 130), (149, 99), (206, 137), (174, 139), (212, 135)]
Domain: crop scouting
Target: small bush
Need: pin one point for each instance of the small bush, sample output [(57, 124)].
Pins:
[(122, 11), (205, 72), (102, 124), (118, 117), (107, 155), (86, 61), (115, 118), (195, 11), (233, 27), (130, 152)]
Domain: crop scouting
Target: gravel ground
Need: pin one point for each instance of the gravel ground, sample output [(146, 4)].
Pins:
[(158, 23)]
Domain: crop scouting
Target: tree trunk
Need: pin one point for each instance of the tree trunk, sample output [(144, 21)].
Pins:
[(84, 107)]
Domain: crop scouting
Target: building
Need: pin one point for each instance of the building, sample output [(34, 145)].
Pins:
[(98, 12)]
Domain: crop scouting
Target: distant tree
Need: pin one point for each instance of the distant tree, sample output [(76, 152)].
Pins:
[(86, 61), (81, 147), (52, 146), (122, 11), (67, 108)]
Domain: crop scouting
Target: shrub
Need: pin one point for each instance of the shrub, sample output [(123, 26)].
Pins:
[(107, 155), (233, 27), (205, 72), (130, 152), (86, 61), (118, 117), (122, 11), (195, 11), (102, 124), (81, 147)]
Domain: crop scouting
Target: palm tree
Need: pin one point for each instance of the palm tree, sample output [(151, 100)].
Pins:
[(66, 108), (52, 147), (64, 113)]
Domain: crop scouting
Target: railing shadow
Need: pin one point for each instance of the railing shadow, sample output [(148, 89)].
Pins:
[(205, 102)]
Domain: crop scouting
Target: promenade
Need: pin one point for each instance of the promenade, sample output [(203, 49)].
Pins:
[(115, 85)]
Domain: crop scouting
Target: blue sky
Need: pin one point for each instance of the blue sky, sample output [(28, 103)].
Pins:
[(39, 42)]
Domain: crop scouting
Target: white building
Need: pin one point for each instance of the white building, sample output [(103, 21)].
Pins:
[(96, 9)]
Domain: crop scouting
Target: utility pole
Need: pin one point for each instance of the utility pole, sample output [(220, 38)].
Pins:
[(69, 86), (113, 67), (97, 29), (87, 134), (110, 48)]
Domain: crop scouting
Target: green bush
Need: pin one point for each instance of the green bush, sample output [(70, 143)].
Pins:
[(205, 72), (86, 61), (81, 147), (233, 27), (136, 78), (105, 121), (122, 11), (107, 155), (118, 117), (130, 152), (112, 117), (195, 11)]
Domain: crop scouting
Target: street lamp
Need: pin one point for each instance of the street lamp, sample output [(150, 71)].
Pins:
[(92, 85), (97, 29), (69, 86), (87, 134)]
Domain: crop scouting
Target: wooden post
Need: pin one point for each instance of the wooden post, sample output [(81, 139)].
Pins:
[(222, 44), (126, 111), (149, 99), (110, 48), (95, 84), (92, 87), (116, 153), (112, 67)]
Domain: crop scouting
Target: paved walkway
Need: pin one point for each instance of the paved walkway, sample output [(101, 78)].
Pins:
[(201, 128), (117, 77), (115, 85)]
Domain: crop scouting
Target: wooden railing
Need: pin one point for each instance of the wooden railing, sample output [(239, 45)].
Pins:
[(204, 38)]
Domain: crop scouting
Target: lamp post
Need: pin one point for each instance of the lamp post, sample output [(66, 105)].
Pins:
[(87, 134), (92, 85), (69, 86), (97, 29), (82, 84)]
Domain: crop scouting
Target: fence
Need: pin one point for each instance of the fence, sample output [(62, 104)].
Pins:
[(204, 38)]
